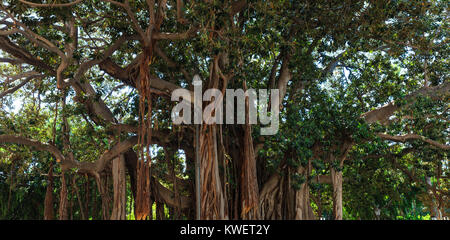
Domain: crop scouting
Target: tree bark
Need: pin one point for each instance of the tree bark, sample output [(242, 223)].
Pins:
[(48, 202), (119, 185), (63, 202), (102, 185), (212, 199), (303, 210), (336, 178)]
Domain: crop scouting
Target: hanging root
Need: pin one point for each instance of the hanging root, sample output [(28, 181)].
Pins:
[(143, 191)]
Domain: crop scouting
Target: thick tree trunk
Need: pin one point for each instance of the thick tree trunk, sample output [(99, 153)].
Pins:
[(131, 159), (63, 202), (119, 205), (303, 210), (336, 178), (160, 215), (212, 198), (143, 207), (48, 202), (279, 201), (249, 184)]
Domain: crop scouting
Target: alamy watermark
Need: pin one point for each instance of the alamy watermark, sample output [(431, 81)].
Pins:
[(213, 112)]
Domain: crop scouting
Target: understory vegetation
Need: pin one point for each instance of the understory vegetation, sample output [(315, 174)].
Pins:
[(85, 109)]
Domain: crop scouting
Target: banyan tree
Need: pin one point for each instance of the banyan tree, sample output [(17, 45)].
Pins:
[(86, 109)]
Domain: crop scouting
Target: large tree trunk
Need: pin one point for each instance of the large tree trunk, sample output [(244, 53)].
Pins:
[(119, 183), (212, 197), (279, 201), (63, 214), (336, 179), (48, 202), (303, 210)]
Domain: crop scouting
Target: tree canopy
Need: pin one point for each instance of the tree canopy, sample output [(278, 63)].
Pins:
[(85, 109)]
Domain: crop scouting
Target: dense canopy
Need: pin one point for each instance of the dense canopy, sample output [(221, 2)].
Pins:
[(85, 109)]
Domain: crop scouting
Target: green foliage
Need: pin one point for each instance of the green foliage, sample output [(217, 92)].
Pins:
[(346, 59)]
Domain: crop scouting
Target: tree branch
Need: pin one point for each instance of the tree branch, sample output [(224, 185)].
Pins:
[(168, 197), (285, 76), (408, 137), (13, 89), (122, 74)]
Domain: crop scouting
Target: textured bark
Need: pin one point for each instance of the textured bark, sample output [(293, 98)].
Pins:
[(212, 198), (160, 215), (408, 137), (80, 204), (87, 195), (21, 84), (143, 190), (168, 197), (22, 54), (48, 202), (68, 162), (336, 178), (268, 197), (143, 207), (119, 185), (279, 200), (303, 210), (52, 5), (126, 76), (63, 202), (383, 113), (102, 185)]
